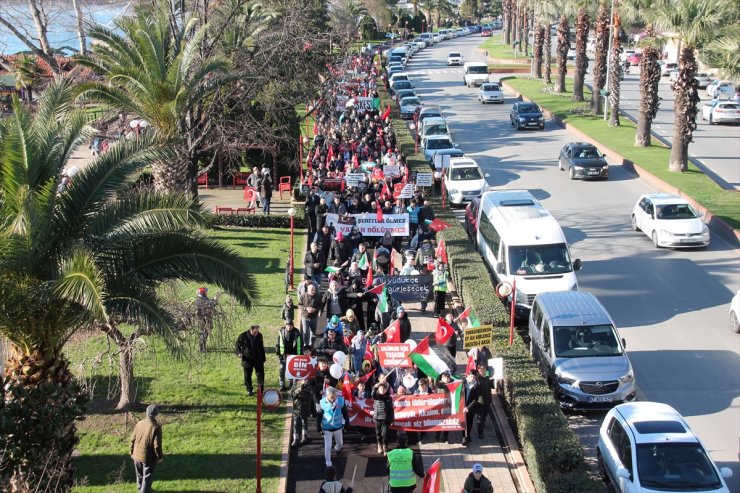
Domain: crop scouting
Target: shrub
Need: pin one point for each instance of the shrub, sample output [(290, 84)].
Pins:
[(257, 220)]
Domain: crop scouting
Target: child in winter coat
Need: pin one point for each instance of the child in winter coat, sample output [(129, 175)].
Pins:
[(303, 403), (288, 311), (357, 349), (361, 391), (382, 413)]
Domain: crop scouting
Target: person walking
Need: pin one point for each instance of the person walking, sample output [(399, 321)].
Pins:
[(288, 311), (334, 416), (311, 302), (332, 484), (451, 343), (266, 193), (288, 343), (476, 482), (403, 463), (254, 180), (471, 404), (302, 397), (312, 200), (382, 413), (146, 449), (439, 282), (313, 263), (485, 401), (251, 348)]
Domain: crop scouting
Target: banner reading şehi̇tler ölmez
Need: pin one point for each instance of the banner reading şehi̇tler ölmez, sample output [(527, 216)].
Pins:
[(429, 412), (367, 223)]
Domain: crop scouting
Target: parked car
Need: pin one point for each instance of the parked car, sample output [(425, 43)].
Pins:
[(430, 111), (497, 24), (721, 89), (490, 92), (703, 80), (433, 126), (734, 312), (625, 55), (673, 77), (398, 76), (438, 145), (464, 180), (400, 84), (471, 219), (454, 58), (408, 107), (634, 58), (669, 221), (583, 161), (404, 93), (526, 115), (717, 111), (667, 67), (571, 53), (649, 447)]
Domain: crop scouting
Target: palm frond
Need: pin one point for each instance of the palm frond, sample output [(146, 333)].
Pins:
[(80, 281)]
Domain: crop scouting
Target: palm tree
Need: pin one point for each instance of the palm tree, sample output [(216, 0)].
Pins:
[(27, 74), (562, 50), (547, 49), (724, 52), (347, 16), (508, 7), (693, 21), (156, 74), (583, 25), (75, 255), (428, 7), (600, 53), (399, 13), (614, 67), (539, 39)]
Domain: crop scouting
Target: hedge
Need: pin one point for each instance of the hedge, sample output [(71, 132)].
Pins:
[(552, 451), (257, 220)]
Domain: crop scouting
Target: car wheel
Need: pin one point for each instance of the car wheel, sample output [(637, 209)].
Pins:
[(531, 347), (542, 127), (654, 236), (711, 120), (571, 173), (560, 164), (633, 222), (601, 466), (734, 323)]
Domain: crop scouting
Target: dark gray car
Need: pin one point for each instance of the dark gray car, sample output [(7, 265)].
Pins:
[(526, 115), (583, 161)]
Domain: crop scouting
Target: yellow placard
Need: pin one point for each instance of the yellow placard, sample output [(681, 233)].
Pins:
[(477, 336)]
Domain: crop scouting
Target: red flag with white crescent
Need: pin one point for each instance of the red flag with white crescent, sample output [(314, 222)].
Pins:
[(444, 331), (393, 332), (441, 253)]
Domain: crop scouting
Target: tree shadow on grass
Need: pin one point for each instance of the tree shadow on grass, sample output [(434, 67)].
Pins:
[(101, 470)]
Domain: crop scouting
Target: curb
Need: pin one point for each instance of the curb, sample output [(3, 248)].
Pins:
[(718, 225)]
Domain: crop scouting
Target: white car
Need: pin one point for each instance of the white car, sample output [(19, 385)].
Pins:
[(434, 126), (625, 55), (398, 76), (720, 89), (490, 92), (437, 37), (464, 180), (454, 58), (647, 447), (667, 68), (408, 106), (703, 80), (735, 313), (717, 111), (669, 221), (420, 44)]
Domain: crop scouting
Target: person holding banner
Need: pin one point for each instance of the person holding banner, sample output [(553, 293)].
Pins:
[(441, 385), (403, 463)]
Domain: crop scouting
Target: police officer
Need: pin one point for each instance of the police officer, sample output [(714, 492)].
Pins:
[(288, 343), (403, 463)]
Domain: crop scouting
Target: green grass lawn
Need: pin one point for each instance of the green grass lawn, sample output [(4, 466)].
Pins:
[(208, 421), (723, 203), (498, 49)]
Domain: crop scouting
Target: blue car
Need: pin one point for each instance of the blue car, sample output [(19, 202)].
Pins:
[(526, 115)]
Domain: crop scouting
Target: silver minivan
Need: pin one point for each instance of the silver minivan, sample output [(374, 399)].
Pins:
[(578, 349)]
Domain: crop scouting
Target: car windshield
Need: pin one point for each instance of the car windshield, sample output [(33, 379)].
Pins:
[(397, 77), (586, 153), (529, 108), (410, 102), (729, 106), (429, 114), (440, 129), (402, 84), (671, 466), (675, 211), (490, 87), (464, 174), (595, 340), (439, 144), (454, 54), (477, 70), (538, 260)]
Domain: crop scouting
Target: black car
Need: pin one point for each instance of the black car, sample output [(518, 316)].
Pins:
[(471, 219), (526, 115), (400, 84), (583, 161)]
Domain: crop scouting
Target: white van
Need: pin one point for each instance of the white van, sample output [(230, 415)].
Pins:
[(427, 38), (475, 73), (520, 241)]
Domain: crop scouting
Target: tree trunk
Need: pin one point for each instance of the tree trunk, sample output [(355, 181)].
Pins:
[(686, 100), (539, 33), (507, 21), (562, 61), (548, 55), (582, 27), (514, 22), (40, 27), (600, 54), (126, 374), (80, 27), (649, 100), (614, 71)]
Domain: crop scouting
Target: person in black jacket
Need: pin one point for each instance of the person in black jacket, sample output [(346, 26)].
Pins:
[(251, 348), (471, 403), (312, 200), (338, 251), (334, 301), (320, 212), (313, 263), (355, 296), (382, 413), (485, 401), (323, 239), (404, 323), (302, 397)]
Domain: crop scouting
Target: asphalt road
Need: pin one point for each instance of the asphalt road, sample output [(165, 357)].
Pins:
[(670, 306)]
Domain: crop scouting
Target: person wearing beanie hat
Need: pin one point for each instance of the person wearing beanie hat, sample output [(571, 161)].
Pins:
[(476, 482), (404, 323), (146, 449)]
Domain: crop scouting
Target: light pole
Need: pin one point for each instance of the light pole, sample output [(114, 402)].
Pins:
[(609, 60), (391, 32), (291, 213)]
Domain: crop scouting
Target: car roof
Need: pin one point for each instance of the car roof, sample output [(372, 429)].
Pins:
[(642, 412), (430, 108), (462, 162), (409, 97), (438, 137), (665, 198), (435, 120), (573, 308), (490, 84), (584, 145)]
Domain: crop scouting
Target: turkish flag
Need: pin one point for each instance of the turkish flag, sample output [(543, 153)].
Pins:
[(444, 331), (471, 364), (438, 225), (378, 213), (386, 113), (393, 333), (441, 252), (347, 388), (369, 278), (367, 376)]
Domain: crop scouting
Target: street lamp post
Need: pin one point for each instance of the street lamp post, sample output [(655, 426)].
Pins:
[(391, 32), (291, 213)]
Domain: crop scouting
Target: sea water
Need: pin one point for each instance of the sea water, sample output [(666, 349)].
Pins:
[(62, 26)]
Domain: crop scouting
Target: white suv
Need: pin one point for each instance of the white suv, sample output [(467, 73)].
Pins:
[(648, 447), (464, 180), (454, 58)]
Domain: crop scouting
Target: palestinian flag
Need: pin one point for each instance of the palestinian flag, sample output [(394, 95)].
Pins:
[(363, 263), (379, 289), (444, 331), (331, 269), (427, 359), (470, 314), (432, 478), (393, 333), (382, 299), (456, 396), (441, 253)]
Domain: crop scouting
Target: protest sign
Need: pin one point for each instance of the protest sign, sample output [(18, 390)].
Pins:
[(360, 104), (391, 170), (423, 180), (403, 190), (477, 336), (408, 288), (391, 354), (431, 412), (353, 179), (298, 367), (396, 224)]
